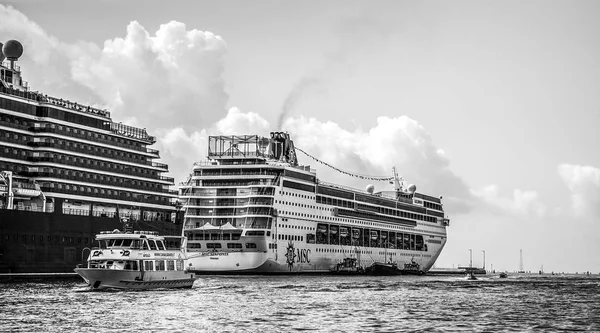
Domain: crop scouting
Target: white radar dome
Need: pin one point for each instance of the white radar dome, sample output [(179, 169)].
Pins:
[(370, 188), (412, 188)]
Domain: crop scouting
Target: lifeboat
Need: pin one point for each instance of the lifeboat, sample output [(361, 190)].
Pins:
[(26, 190), (343, 232)]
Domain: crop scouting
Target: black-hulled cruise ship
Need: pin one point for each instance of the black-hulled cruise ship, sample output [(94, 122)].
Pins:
[(251, 208), (68, 172)]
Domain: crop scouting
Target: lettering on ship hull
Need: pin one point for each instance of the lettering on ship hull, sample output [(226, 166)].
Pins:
[(294, 255)]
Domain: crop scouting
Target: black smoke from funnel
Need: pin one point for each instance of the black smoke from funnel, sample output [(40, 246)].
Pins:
[(295, 96)]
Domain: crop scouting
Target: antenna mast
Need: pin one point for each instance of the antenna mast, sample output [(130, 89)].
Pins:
[(521, 270)]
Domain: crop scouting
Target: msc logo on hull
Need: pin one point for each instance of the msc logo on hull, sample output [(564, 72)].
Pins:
[(296, 255)]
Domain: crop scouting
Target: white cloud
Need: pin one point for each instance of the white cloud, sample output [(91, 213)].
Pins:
[(399, 142), (240, 123), (584, 184), (170, 79), (173, 78), (522, 203)]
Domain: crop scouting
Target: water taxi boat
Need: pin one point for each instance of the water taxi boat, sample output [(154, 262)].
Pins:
[(136, 260)]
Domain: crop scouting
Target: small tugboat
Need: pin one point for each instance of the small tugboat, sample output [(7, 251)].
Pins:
[(349, 266), (136, 260), (380, 268), (411, 268)]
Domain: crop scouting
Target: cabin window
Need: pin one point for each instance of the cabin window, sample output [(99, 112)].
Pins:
[(152, 244), (170, 265), (148, 265), (213, 245), (250, 245), (234, 245), (179, 265), (160, 265)]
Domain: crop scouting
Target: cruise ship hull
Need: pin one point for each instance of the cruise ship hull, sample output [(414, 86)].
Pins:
[(36, 242), (303, 259)]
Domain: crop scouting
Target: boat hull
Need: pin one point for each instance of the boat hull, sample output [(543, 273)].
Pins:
[(301, 258), (36, 242), (99, 279)]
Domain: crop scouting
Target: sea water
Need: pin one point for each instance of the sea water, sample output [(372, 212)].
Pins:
[(519, 303)]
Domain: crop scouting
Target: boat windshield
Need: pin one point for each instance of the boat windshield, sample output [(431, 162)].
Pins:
[(117, 243)]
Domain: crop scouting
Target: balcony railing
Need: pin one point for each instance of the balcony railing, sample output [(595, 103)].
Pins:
[(79, 135)]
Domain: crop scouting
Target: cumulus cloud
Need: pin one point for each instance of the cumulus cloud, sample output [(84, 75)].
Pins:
[(173, 78), (522, 203), (399, 142), (584, 184), (240, 123)]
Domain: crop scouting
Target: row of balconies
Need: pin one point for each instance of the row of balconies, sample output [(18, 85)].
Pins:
[(97, 182), (102, 166), (132, 145), (91, 150), (140, 198), (88, 166), (81, 134)]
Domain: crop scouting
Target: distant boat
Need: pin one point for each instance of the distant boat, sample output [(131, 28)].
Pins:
[(412, 268), (349, 266), (503, 275), (380, 268)]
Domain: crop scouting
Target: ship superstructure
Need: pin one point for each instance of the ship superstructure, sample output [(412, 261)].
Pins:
[(68, 171), (251, 208)]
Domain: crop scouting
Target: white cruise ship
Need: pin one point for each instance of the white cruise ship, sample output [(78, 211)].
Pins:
[(251, 209)]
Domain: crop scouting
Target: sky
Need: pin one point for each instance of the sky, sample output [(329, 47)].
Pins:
[(491, 104)]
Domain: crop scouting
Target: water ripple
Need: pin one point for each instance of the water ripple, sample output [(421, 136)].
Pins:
[(312, 303)]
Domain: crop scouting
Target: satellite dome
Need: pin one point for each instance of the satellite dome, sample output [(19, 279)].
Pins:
[(12, 49), (370, 188), (412, 188), (2, 57)]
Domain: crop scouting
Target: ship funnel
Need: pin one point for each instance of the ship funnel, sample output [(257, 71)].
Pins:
[(282, 148)]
